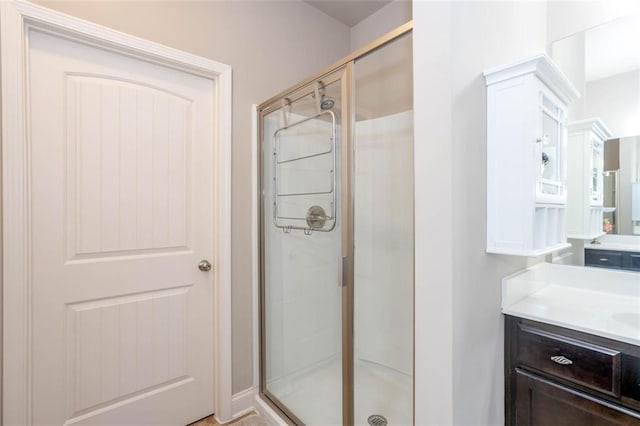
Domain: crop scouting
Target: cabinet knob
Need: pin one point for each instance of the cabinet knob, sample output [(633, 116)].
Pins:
[(604, 259), (559, 359)]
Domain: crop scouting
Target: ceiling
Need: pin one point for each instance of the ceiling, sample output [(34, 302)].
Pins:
[(349, 12)]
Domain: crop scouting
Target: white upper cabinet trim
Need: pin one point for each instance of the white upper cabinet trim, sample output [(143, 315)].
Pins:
[(596, 125), (543, 68)]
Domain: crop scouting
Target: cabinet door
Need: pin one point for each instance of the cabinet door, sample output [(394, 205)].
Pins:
[(634, 262), (543, 403), (550, 150), (596, 173)]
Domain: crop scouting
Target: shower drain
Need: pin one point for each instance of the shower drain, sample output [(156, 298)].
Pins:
[(377, 420)]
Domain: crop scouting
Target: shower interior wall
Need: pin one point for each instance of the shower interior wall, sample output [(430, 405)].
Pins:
[(383, 308)]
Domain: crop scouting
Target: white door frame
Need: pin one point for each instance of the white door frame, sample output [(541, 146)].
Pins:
[(16, 18)]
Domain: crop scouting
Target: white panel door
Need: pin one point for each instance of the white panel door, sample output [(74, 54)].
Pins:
[(122, 196)]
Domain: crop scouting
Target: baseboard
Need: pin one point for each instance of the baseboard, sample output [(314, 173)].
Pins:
[(267, 412), (243, 402)]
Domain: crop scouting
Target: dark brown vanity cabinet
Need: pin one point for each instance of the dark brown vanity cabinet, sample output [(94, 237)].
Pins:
[(556, 376), (625, 260)]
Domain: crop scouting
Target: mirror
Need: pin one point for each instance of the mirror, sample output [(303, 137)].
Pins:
[(603, 63), (621, 201)]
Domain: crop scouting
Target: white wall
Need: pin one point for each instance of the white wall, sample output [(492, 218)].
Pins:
[(569, 54), (565, 18), (264, 42), (381, 22), (459, 328), (616, 100), (433, 243)]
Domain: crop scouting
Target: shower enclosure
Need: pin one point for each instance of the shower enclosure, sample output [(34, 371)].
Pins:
[(336, 241)]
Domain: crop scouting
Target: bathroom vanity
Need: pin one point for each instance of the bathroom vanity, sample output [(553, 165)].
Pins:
[(617, 259), (614, 251), (556, 375), (572, 346)]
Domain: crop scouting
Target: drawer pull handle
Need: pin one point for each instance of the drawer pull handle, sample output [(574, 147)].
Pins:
[(604, 259), (559, 359)]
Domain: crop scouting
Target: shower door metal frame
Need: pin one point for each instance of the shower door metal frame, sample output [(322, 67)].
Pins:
[(341, 70)]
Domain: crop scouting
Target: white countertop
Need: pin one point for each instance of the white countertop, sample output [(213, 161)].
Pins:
[(616, 242), (592, 300)]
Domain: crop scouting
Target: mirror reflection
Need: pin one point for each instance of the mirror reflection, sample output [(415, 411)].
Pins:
[(603, 63), (619, 181)]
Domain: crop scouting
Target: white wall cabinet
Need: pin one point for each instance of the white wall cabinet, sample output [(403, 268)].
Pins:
[(526, 157), (585, 161)]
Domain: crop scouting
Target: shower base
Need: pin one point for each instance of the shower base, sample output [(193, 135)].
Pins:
[(315, 396)]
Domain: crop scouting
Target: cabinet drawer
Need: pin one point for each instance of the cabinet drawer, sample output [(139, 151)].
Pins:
[(634, 261), (609, 259), (589, 365)]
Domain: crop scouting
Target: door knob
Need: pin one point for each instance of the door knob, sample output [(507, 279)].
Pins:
[(204, 265)]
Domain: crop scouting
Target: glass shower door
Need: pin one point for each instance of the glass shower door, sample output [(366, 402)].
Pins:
[(383, 236), (302, 248)]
